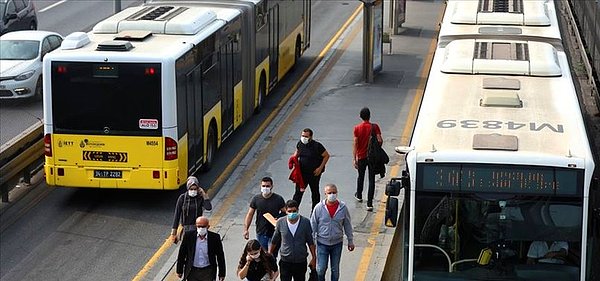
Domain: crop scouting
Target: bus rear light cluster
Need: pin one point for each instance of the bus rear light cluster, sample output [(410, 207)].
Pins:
[(60, 171), (48, 145), (170, 149), (156, 174)]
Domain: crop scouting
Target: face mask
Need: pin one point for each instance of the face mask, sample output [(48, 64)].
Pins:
[(192, 193), (304, 140), (292, 216), (331, 197), (202, 231), (265, 191), (255, 256)]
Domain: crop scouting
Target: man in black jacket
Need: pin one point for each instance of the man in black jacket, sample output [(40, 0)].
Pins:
[(200, 253)]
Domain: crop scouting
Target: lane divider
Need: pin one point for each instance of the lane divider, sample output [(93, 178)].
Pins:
[(228, 203)]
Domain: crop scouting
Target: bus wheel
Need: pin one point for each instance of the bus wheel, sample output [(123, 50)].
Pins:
[(211, 148), (297, 51), (261, 94)]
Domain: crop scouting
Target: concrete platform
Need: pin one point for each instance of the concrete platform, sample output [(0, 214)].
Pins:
[(329, 103)]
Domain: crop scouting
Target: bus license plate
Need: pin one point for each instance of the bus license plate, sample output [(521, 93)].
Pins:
[(108, 174)]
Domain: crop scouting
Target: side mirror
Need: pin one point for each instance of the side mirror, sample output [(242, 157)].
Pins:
[(391, 212), (10, 17), (392, 188)]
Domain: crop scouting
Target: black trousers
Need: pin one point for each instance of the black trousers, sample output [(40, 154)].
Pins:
[(291, 270), (201, 274), (362, 167), (309, 180)]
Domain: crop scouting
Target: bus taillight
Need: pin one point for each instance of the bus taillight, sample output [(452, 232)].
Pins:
[(48, 145), (149, 71), (61, 69), (170, 149)]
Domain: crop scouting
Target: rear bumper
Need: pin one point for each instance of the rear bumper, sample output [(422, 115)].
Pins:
[(131, 178)]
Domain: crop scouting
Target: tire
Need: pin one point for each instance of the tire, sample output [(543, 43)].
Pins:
[(297, 52), (38, 95), (211, 148), (261, 95)]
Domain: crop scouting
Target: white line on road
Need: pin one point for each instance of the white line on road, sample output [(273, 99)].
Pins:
[(52, 6)]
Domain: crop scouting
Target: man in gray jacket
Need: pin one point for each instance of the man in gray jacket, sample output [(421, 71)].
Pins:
[(330, 220), (292, 234)]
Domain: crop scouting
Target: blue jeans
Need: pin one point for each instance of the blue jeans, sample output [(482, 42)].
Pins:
[(264, 240), (325, 253)]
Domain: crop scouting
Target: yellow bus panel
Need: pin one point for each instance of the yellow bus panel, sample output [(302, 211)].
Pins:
[(110, 162), (287, 50), (238, 105)]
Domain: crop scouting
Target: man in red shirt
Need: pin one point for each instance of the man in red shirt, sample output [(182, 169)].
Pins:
[(362, 132)]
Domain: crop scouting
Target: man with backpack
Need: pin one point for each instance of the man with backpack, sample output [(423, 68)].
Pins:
[(362, 135)]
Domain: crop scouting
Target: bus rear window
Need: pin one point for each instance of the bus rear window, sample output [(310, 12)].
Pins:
[(106, 98)]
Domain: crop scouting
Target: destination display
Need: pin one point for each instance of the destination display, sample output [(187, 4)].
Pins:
[(499, 179)]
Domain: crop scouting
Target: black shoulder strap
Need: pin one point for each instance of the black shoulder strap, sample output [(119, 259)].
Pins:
[(372, 129)]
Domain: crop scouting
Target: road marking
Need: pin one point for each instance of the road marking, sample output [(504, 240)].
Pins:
[(228, 203), (52, 6), (365, 260)]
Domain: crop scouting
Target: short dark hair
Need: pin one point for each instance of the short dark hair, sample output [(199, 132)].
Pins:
[(267, 179), (291, 204), (308, 130), (365, 113)]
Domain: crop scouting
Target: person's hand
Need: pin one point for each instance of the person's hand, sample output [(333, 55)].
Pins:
[(317, 171), (313, 263), (174, 238), (178, 275), (201, 192), (246, 234), (221, 278), (350, 247), (355, 163), (248, 259)]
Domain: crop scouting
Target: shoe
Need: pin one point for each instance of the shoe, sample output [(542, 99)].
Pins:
[(370, 208), (357, 198)]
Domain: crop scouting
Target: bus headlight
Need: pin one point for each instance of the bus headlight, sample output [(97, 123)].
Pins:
[(25, 75)]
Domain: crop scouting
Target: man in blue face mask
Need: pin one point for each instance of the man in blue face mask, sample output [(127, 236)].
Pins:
[(292, 234)]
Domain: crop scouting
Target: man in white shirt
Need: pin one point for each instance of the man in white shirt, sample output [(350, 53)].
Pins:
[(547, 252)]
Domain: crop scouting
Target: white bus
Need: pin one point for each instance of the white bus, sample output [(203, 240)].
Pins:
[(149, 95), (499, 162)]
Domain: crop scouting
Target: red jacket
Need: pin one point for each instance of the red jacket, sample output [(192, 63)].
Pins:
[(296, 174)]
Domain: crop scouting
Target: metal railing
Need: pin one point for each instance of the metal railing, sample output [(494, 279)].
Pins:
[(20, 158)]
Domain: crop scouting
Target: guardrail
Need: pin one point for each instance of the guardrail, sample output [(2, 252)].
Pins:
[(21, 157)]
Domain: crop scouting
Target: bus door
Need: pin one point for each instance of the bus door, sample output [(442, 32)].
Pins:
[(307, 20), (194, 118), (273, 43), (226, 53)]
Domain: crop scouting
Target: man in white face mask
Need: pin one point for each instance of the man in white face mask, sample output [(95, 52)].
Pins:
[(312, 158), (200, 254), (330, 219), (265, 202)]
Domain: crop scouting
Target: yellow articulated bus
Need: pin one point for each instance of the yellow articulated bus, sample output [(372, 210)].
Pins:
[(148, 96)]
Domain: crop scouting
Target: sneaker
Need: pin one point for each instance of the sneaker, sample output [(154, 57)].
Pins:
[(357, 198), (370, 208)]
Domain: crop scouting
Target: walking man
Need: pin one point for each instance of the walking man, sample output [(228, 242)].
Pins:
[(200, 254), (292, 234), (330, 220), (265, 202), (312, 157), (362, 133)]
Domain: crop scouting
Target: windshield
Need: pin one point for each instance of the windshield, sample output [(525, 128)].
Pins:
[(106, 99), (19, 49), (487, 236)]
